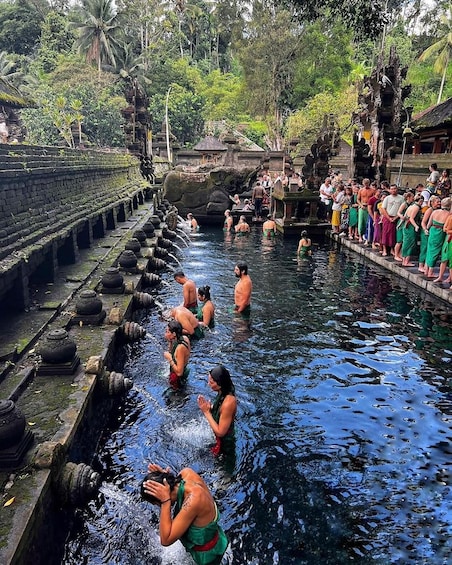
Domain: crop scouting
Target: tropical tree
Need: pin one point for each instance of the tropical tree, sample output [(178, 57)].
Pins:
[(362, 17), (19, 27), (98, 31), (7, 66), (268, 56), (55, 40), (442, 48)]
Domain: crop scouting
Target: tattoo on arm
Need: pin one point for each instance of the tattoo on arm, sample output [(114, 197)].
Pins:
[(187, 502)]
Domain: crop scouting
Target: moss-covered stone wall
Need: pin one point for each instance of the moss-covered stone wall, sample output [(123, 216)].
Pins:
[(52, 197)]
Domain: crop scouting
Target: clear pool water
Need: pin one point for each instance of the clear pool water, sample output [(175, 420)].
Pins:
[(344, 425)]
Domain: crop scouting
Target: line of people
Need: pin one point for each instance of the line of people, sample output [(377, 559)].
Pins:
[(243, 228), (417, 223), (195, 518)]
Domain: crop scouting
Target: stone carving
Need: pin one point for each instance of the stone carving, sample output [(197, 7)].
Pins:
[(206, 192)]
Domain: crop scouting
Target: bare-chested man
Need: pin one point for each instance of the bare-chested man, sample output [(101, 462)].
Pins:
[(188, 321), (257, 197), (243, 288), (364, 194), (188, 291)]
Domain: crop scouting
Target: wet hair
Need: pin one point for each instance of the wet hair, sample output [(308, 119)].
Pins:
[(204, 291), (223, 379), (159, 477), (179, 274), (242, 267), (175, 327), (304, 233)]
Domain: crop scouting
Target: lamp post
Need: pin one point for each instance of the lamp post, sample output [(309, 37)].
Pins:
[(407, 131), (168, 149)]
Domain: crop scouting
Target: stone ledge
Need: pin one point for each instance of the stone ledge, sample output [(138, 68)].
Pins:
[(410, 275)]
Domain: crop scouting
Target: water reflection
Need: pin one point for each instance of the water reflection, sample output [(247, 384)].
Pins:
[(344, 421)]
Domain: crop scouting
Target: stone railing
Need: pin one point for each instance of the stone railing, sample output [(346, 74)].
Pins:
[(52, 197)]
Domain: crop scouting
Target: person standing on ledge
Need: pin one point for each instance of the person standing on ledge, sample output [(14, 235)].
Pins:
[(196, 516), (188, 291), (243, 289), (257, 197), (388, 211)]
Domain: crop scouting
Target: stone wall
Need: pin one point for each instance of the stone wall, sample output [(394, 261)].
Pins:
[(415, 168), (54, 201)]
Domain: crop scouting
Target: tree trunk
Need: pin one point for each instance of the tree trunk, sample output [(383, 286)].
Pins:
[(443, 80)]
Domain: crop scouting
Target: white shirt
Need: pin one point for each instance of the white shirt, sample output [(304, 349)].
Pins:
[(325, 193)]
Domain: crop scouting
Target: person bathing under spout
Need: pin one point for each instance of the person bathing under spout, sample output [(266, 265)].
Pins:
[(196, 516), (188, 291), (243, 289), (188, 321), (206, 312), (178, 354)]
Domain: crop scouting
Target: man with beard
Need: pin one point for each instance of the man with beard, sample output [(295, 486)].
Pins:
[(242, 291)]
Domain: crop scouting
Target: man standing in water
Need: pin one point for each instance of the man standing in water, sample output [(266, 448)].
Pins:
[(242, 291), (188, 291)]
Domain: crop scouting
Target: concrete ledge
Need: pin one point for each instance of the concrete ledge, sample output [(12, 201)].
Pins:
[(411, 274)]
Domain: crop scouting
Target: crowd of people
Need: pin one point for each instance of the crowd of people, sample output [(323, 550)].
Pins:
[(415, 223), (194, 520)]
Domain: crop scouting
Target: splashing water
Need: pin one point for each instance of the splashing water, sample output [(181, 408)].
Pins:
[(175, 259), (182, 239)]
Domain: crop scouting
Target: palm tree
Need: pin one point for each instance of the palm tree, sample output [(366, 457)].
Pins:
[(443, 47), (98, 30), (7, 66)]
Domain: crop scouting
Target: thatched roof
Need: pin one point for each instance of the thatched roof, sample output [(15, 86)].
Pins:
[(10, 96), (440, 114), (210, 144)]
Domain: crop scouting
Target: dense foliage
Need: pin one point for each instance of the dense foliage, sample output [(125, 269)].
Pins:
[(274, 68)]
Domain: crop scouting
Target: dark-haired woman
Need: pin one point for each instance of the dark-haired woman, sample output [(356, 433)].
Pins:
[(221, 413), (444, 184), (206, 311), (195, 519), (304, 245), (178, 354)]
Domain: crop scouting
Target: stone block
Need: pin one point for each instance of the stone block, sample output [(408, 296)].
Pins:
[(95, 365)]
